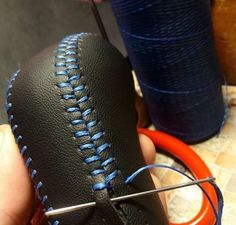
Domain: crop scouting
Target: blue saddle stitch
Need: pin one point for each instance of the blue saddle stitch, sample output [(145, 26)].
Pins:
[(68, 65), (28, 162)]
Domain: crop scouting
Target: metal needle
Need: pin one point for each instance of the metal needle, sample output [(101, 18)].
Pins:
[(98, 20), (125, 197)]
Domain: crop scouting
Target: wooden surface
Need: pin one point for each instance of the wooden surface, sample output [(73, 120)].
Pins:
[(224, 23), (220, 155)]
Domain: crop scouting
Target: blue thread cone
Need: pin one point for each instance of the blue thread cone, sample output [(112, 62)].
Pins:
[(170, 45)]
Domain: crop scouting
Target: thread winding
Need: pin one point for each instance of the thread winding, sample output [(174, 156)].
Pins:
[(170, 45)]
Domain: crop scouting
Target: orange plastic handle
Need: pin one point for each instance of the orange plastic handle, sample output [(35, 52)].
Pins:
[(196, 166)]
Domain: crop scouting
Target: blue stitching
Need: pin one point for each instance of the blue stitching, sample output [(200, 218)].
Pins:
[(79, 88), (60, 64), (92, 159), (107, 162), (86, 146), (92, 123), (75, 77), (97, 171), (68, 47), (23, 150), (81, 133), (97, 136), (102, 148), (28, 162), (33, 174), (73, 67), (63, 85), (19, 138), (87, 112), (69, 60), (83, 99), (66, 97), (61, 73), (77, 122), (72, 109)]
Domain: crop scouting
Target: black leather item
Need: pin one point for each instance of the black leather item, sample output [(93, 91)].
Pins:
[(72, 112)]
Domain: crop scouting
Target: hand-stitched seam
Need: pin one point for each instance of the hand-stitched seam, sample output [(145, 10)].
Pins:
[(67, 65), (23, 150)]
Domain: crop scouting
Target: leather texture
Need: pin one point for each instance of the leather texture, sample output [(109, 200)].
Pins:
[(41, 112)]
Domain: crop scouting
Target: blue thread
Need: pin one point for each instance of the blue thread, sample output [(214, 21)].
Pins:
[(39, 186), (62, 45), (107, 162), (23, 150), (170, 45), (81, 133), (86, 146), (111, 176), (79, 88), (87, 112), (10, 118), (218, 214), (18, 139), (73, 67), (8, 106), (60, 57), (92, 159), (83, 99), (60, 64), (45, 198), (9, 96), (61, 73), (102, 148), (92, 124), (100, 186), (75, 77), (70, 60), (71, 53), (74, 47), (63, 85), (77, 122), (60, 50), (14, 128), (97, 136), (72, 109), (49, 209), (28, 162), (70, 44), (106, 184), (66, 97), (97, 172), (33, 174)]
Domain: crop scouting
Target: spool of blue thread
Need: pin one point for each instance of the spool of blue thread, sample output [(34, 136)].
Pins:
[(170, 45)]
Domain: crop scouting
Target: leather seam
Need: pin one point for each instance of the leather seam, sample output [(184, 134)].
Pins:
[(24, 149), (67, 66)]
